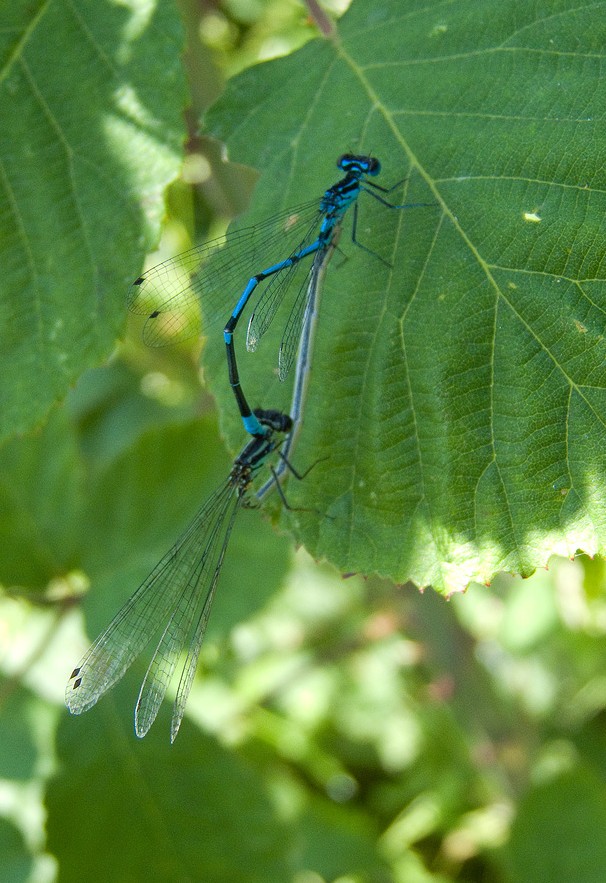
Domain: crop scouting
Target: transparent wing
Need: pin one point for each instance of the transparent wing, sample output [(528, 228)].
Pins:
[(140, 619), (211, 277), (277, 286), (292, 331), (199, 576), (191, 663)]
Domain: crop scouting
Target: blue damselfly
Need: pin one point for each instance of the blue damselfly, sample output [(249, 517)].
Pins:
[(212, 272), (173, 604)]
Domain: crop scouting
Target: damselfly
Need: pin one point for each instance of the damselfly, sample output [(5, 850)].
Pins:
[(209, 273), (173, 604), (304, 359)]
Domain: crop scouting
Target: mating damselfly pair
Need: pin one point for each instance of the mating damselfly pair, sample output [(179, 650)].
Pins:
[(173, 604)]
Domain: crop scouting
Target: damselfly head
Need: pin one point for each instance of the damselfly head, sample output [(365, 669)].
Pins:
[(361, 165)]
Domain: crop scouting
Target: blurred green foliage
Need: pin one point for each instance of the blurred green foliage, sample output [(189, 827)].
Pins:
[(342, 729)]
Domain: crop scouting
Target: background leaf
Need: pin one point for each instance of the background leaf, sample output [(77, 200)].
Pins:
[(180, 811), (37, 544), (84, 160), (559, 832), (15, 863)]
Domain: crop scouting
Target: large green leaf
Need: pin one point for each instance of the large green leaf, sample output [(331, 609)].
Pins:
[(559, 831), (459, 395), (148, 813), (41, 499), (87, 146), (15, 863)]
